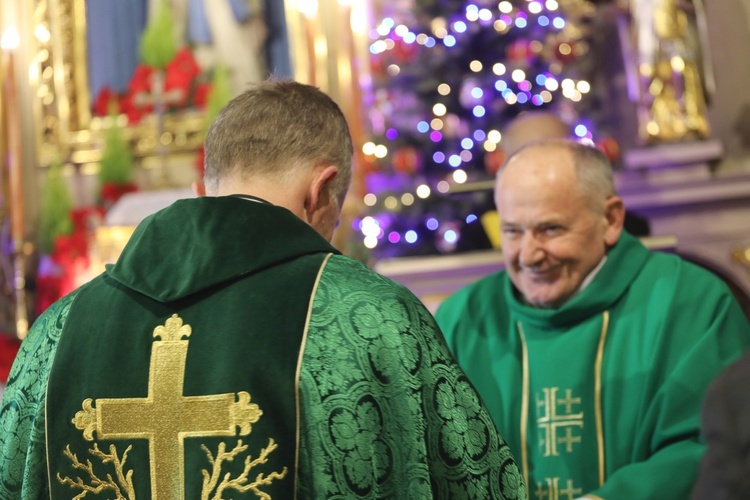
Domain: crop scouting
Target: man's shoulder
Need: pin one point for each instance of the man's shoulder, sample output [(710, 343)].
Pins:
[(480, 302), (677, 270), (353, 276), (478, 294), (58, 311)]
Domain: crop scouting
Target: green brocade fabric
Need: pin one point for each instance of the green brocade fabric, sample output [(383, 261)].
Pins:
[(379, 407), (396, 419), (602, 395), (23, 462)]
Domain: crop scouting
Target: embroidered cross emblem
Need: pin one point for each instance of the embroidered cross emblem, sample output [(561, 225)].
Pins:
[(550, 490), (551, 421), (165, 417)]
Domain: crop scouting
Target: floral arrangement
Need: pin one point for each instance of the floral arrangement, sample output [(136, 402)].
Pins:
[(183, 88), (167, 76), (168, 79), (59, 271)]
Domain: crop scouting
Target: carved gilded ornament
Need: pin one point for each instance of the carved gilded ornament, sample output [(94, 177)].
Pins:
[(58, 70)]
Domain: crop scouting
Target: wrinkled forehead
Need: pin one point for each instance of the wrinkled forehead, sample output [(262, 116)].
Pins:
[(536, 168)]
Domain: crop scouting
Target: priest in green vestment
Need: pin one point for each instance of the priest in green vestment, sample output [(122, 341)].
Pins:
[(231, 352), (591, 352)]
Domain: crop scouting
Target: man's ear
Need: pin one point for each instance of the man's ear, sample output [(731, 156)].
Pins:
[(199, 188), (614, 213), (319, 193)]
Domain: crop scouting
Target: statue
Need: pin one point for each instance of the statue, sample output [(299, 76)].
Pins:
[(669, 69), (232, 33)]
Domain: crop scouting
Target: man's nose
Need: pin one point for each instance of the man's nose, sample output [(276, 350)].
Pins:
[(532, 252)]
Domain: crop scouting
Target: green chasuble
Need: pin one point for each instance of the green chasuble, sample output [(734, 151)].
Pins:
[(602, 395), (231, 352)]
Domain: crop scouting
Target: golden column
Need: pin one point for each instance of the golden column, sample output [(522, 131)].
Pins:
[(328, 44), (12, 164)]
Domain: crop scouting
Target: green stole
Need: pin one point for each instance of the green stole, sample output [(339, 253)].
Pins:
[(563, 430), (189, 397), (562, 451)]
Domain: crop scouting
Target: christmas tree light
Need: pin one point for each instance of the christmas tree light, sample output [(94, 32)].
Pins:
[(448, 76)]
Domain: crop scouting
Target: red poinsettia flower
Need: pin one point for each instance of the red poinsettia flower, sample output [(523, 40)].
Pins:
[(87, 218), (140, 82), (134, 110), (104, 99), (200, 95), (8, 350), (135, 102), (48, 290), (68, 247), (112, 192), (179, 76)]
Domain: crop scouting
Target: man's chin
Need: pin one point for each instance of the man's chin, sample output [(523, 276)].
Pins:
[(544, 300)]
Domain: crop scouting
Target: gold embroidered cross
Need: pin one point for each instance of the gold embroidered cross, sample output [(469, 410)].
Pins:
[(552, 491), (569, 440), (550, 421), (165, 417)]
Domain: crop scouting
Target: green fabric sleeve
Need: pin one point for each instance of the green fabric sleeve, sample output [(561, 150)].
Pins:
[(23, 462), (386, 412), (716, 335)]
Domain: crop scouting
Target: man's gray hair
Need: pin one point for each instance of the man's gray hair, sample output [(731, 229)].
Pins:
[(593, 169), (272, 129)]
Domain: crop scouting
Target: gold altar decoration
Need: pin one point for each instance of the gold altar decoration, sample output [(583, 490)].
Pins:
[(328, 45), (669, 67), (13, 248), (741, 255), (328, 41), (62, 109)]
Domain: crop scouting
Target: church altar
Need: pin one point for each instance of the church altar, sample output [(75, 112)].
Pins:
[(694, 192)]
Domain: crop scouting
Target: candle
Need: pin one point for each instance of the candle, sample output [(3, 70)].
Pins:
[(9, 43)]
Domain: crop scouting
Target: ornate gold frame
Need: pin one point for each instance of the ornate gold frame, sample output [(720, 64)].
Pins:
[(65, 129)]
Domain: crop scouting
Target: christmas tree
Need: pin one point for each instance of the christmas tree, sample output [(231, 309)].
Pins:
[(448, 76)]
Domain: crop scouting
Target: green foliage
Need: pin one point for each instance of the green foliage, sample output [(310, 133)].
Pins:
[(158, 45), (57, 203), (116, 165), (220, 93)]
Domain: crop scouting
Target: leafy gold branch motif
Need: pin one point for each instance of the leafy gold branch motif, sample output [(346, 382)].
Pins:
[(97, 485), (240, 483)]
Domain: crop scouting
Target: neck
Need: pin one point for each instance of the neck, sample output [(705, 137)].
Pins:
[(290, 196)]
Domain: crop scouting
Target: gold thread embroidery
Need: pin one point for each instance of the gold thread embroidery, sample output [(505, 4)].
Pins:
[(551, 421), (85, 420), (551, 490), (173, 330), (240, 482), (598, 396), (124, 480), (524, 404), (166, 417)]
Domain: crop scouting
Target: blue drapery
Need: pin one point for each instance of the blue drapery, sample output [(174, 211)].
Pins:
[(113, 29), (277, 45)]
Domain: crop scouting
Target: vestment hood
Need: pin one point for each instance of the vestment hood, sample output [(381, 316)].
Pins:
[(195, 244)]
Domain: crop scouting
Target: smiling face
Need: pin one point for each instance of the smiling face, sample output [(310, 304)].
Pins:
[(553, 235)]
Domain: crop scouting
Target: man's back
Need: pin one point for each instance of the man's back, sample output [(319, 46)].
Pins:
[(194, 368)]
